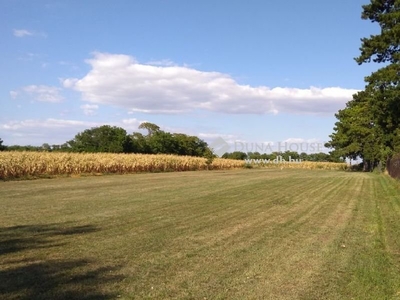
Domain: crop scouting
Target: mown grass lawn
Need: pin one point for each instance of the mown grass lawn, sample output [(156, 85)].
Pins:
[(247, 234)]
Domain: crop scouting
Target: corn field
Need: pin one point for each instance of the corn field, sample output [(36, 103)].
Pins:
[(39, 164)]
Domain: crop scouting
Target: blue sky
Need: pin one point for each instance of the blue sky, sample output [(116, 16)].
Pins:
[(247, 71)]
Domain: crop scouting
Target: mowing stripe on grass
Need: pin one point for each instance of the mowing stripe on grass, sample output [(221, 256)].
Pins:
[(244, 234)]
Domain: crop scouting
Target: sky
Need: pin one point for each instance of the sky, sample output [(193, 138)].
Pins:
[(244, 72)]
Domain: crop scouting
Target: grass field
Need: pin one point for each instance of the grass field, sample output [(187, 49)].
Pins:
[(241, 234)]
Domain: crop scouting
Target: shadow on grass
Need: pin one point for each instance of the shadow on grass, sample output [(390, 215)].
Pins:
[(24, 276), (57, 279), (19, 238)]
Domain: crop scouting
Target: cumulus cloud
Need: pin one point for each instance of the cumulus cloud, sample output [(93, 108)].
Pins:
[(24, 33), (41, 93), (120, 80), (89, 109)]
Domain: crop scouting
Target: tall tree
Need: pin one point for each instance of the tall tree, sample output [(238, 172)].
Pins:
[(383, 85), (355, 133), (369, 126), (383, 47), (150, 127)]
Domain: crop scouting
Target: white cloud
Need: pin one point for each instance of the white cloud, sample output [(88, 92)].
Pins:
[(211, 137), (39, 131), (63, 123), (300, 140), (41, 93), (131, 125), (14, 94), (302, 145), (22, 32), (120, 80), (163, 62), (69, 83), (25, 32), (53, 131), (89, 109), (48, 124)]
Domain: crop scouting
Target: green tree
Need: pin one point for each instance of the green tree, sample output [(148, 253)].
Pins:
[(355, 133), (161, 142), (102, 139), (209, 155), (46, 147), (254, 155), (191, 145), (303, 156), (383, 47), (2, 147), (235, 155), (369, 126), (150, 127), (383, 85), (24, 148), (290, 155), (139, 143)]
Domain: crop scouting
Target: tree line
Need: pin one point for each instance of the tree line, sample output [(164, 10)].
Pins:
[(369, 126), (114, 139), (286, 155)]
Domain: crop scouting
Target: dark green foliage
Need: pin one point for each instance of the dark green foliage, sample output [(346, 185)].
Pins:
[(161, 142), (114, 139), (139, 143), (191, 145), (369, 125), (290, 155), (102, 139), (385, 101), (209, 155), (24, 148), (383, 85), (320, 157), (2, 147), (287, 155), (385, 46), (235, 155)]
